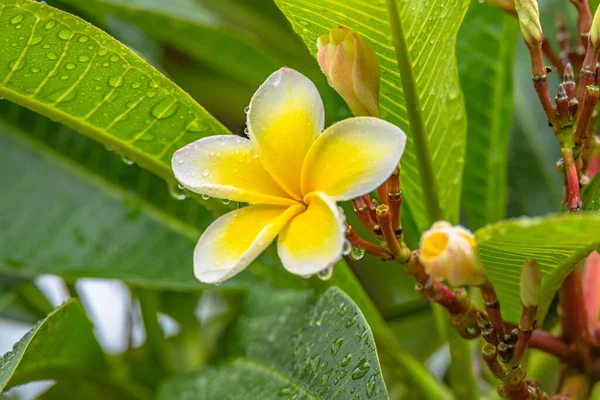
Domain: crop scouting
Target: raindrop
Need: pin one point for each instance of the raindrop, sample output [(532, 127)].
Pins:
[(337, 345), (346, 359), (65, 34), (205, 196), (326, 274), (177, 192), (83, 39), (246, 132), (315, 362), (357, 253), (114, 81), (247, 109), (205, 172), (370, 386), (51, 56), (325, 377), (347, 247), (50, 24), (36, 39), (226, 201), (127, 161), (35, 70), (84, 58), (15, 20), (361, 369), (102, 52), (64, 77), (70, 66), (164, 109), (136, 85)]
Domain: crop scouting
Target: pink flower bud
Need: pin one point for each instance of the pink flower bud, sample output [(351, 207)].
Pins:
[(450, 252), (352, 69)]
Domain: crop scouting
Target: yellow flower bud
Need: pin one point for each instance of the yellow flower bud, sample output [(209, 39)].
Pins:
[(531, 284), (450, 252), (529, 19), (352, 69), (595, 29)]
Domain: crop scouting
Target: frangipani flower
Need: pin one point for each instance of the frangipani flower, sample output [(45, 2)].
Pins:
[(291, 174), (450, 252)]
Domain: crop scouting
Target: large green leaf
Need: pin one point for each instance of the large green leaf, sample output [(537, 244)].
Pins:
[(556, 242), (485, 62), (195, 29), (60, 66), (62, 344), (283, 345), (431, 29)]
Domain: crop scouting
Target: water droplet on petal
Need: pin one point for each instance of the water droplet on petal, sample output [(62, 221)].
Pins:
[(347, 247), (357, 253), (177, 192)]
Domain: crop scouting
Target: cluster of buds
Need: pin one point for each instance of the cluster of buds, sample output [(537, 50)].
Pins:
[(574, 115), (352, 69)]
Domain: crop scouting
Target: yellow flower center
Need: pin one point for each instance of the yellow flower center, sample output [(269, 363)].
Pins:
[(433, 245)]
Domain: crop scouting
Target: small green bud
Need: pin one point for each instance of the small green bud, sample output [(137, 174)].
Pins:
[(531, 284), (352, 69), (529, 19), (595, 30)]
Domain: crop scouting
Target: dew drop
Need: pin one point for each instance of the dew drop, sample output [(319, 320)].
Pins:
[(361, 369), (337, 345), (325, 377), (326, 274), (70, 66), (226, 201), (247, 109), (36, 39), (16, 19), (357, 253), (136, 85), (35, 70), (164, 109), (346, 359), (115, 81), (102, 52), (65, 34), (347, 247), (127, 161), (370, 386), (50, 24), (205, 172), (51, 56), (64, 77), (205, 197), (177, 192), (83, 39), (83, 58)]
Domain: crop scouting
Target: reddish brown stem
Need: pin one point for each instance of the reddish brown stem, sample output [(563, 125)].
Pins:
[(384, 219), (572, 176), (549, 343), (573, 306), (564, 39), (590, 99), (395, 201), (492, 307), (591, 288), (382, 193), (552, 56), (362, 209), (588, 71), (526, 326), (584, 20), (369, 248)]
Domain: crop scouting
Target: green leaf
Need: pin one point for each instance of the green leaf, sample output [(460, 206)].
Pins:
[(62, 344), (77, 389), (485, 62), (291, 344), (196, 30), (64, 68), (94, 216), (556, 242), (590, 196), (431, 30)]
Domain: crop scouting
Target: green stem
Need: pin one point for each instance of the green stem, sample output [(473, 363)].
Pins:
[(415, 114), (154, 334)]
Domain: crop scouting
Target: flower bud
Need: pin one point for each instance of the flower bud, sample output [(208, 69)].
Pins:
[(595, 30), (450, 252), (531, 284), (529, 19), (352, 69)]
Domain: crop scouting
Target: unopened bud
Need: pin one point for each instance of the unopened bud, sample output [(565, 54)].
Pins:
[(529, 19), (450, 252), (595, 30), (531, 284), (352, 69)]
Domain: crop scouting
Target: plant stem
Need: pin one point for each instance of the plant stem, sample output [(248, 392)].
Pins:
[(415, 114), (154, 333)]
